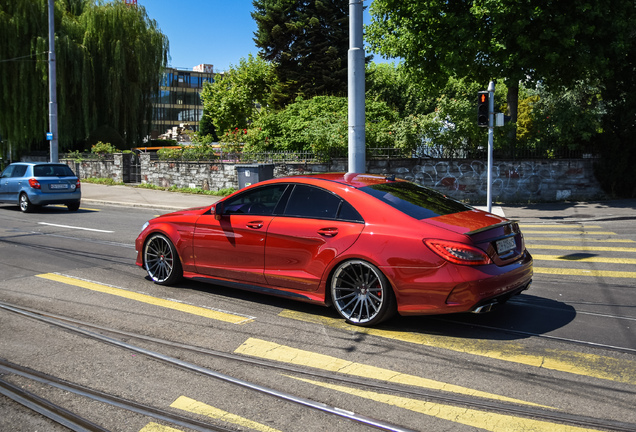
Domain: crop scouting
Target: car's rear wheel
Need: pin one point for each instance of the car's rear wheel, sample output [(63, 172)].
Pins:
[(161, 260), (25, 204), (361, 293), (73, 206)]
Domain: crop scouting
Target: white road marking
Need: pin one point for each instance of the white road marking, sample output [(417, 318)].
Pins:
[(74, 227)]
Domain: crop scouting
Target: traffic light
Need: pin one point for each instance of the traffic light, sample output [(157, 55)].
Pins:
[(483, 103)]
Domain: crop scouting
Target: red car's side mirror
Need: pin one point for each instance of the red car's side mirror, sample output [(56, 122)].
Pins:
[(217, 211)]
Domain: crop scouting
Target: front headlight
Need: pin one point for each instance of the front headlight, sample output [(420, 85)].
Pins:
[(144, 226)]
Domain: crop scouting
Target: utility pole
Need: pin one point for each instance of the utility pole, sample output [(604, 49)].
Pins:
[(491, 134), (357, 151), (52, 87)]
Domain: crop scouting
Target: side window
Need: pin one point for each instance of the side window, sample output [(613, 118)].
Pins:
[(348, 213), (259, 201), (312, 202), (19, 171), (7, 171)]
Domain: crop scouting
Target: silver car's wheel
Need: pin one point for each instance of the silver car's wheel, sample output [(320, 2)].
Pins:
[(361, 293), (25, 203), (161, 260)]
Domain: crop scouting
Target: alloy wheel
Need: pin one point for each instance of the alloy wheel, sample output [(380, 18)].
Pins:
[(361, 293)]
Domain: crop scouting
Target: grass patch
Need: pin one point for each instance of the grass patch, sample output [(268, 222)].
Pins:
[(102, 181), (195, 191)]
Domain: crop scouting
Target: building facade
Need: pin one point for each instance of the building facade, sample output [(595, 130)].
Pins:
[(178, 103)]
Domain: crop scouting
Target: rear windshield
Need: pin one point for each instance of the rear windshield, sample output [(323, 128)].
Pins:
[(416, 201), (52, 171)]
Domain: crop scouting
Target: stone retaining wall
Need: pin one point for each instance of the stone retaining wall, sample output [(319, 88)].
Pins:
[(466, 180)]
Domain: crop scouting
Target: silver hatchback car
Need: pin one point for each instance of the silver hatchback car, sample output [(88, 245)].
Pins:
[(30, 185)]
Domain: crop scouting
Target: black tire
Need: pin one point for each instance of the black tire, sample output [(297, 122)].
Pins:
[(25, 204), (73, 206), (361, 294), (161, 260)]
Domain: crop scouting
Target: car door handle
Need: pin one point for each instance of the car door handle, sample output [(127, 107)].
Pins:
[(255, 224), (328, 232)]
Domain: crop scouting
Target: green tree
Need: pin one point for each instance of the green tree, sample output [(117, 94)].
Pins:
[(236, 98), (319, 125), (553, 42), (615, 171), (392, 85), (307, 41), (109, 59)]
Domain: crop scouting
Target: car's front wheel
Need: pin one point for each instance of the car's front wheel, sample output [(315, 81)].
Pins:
[(25, 204), (161, 260), (361, 293)]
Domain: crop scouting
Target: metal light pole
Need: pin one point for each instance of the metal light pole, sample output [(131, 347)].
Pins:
[(52, 85), (491, 134), (357, 155)]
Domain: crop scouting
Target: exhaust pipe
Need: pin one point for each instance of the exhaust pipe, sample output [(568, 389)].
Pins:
[(485, 308)]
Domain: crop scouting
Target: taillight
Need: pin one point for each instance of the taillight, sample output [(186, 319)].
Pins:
[(78, 184), (34, 183), (458, 253)]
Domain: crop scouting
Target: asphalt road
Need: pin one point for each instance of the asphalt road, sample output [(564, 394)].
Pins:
[(560, 356)]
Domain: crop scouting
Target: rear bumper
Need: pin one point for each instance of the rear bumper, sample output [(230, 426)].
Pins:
[(43, 198), (454, 288)]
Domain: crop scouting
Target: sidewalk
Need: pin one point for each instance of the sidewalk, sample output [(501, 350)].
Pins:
[(128, 196)]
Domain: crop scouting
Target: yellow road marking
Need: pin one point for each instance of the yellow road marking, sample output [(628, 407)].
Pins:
[(144, 298), (580, 272), (579, 233), (590, 365), (572, 239), (280, 353), (490, 421), (583, 248), (190, 405), (81, 208), (577, 258), (560, 226), (156, 427)]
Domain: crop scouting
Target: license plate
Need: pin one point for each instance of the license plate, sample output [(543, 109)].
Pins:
[(505, 245), (58, 186)]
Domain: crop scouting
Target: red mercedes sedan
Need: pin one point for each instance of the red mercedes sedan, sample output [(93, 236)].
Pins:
[(369, 245)]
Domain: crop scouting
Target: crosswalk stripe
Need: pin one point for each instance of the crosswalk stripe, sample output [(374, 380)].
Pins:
[(583, 272), (190, 405), (577, 233), (590, 365), (486, 420), (144, 298), (579, 226), (586, 259), (272, 351), (573, 239), (582, 248)]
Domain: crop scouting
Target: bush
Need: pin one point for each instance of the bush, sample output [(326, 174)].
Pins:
[(104, 148)]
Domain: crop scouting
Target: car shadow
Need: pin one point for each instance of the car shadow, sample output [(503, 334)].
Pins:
[(52, 208), (522, 317)]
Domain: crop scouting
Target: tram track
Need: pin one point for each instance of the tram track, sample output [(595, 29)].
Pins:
[(63, 323), (428, 395)]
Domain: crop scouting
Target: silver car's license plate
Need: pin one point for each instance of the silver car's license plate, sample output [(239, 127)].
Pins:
[(505, 245), (58, 186)]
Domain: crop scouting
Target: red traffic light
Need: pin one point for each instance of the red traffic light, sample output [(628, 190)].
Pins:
[(483, 108)]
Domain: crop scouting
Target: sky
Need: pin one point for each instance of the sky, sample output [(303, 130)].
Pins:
[(216, 32)]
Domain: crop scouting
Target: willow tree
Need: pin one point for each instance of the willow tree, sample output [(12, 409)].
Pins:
[(109, 60)]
